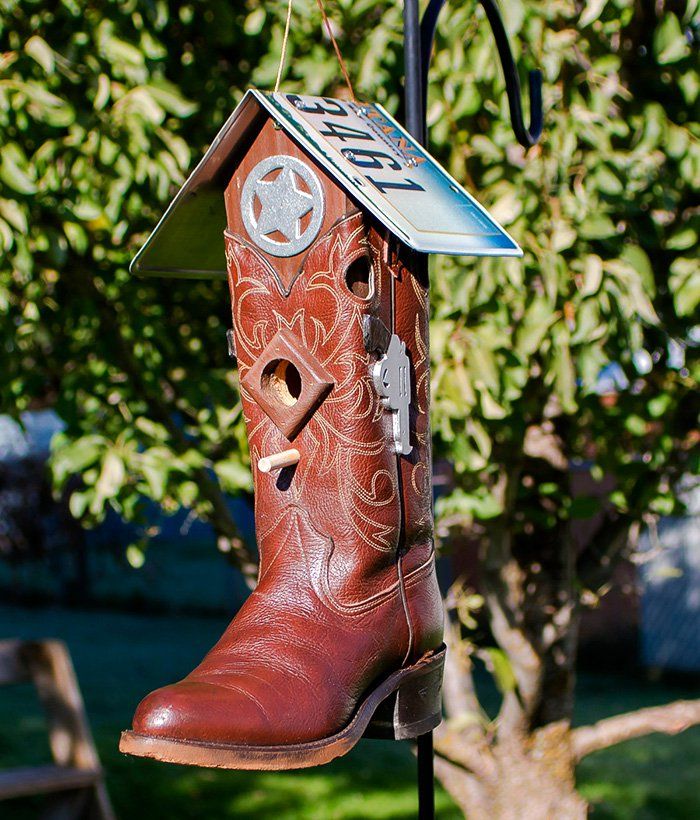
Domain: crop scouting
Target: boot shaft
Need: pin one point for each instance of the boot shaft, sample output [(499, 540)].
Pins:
[(306, 384), (312, 333)]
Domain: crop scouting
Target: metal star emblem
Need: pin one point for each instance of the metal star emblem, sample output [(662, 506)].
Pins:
[(283, 204)]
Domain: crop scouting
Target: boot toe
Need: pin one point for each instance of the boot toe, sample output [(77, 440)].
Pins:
[(197, 711)]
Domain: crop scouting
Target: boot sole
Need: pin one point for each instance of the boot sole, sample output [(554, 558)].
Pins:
[(407, 704)]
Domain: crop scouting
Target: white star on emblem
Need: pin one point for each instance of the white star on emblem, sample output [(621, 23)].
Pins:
[(283, 205), (278, 228)]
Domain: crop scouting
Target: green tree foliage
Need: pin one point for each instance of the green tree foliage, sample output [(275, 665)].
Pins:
[(605, 209), (105, 106)]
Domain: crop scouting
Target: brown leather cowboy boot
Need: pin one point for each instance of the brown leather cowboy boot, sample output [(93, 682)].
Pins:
[(343, 634)]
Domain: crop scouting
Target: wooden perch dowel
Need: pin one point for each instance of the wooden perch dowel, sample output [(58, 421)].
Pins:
[(277, 461)]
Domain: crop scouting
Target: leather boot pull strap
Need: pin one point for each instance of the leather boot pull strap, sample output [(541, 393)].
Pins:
[(375, 335)]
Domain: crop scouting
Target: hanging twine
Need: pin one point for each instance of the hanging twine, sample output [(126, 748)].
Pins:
[(283, 54), (336, 48), (341, 62)]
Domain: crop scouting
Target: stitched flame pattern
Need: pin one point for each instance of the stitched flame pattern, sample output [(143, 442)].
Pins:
[(346, 442)]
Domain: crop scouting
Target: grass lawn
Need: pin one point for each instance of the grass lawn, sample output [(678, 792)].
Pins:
[(120, 657)]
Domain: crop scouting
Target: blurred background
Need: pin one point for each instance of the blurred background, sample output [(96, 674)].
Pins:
[(564, 384)]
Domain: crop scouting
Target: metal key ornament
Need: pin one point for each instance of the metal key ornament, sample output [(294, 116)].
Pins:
[(392, 380)]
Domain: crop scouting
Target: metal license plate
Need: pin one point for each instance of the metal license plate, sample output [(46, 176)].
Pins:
[(373, 157)]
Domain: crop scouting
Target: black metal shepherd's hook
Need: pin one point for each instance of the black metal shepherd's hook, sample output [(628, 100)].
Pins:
[(418, 46), (418, 39)]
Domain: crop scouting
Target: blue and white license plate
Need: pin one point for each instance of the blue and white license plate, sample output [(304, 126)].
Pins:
[(359, 145), (379, 163)]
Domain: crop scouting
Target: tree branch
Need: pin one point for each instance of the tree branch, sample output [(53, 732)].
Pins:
[(467, 749), (459, 693), (464, 788), (669, 719), (221, 518), (503, 595), (595, 564)]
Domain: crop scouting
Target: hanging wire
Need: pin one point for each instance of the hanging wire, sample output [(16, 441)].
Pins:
[(285, 39), (341, 62), (336, 48)]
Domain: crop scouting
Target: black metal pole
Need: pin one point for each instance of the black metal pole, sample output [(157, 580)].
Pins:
[(417, 54), (426, 778), (418, 45), (413, 90), (414, 95)]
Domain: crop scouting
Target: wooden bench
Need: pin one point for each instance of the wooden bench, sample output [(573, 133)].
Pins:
[(75, 780)]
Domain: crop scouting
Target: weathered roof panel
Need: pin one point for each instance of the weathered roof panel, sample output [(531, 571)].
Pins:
[(364, 149)]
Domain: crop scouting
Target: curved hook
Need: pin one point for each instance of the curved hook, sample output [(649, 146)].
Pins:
[(526, 136)]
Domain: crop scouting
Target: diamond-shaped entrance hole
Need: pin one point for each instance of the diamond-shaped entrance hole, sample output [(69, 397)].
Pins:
[(281, 381), (288, 382)]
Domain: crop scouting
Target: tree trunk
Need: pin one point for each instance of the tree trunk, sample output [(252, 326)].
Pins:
[(521, 765), (532, 779)]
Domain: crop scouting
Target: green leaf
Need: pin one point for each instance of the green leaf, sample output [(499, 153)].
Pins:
[(607, 181), (119, 52), (501, 668), (77, 236), (619, 500), (15, 172), (13, 212), (78, 503), (597, 226), (254, 22), (103, 92), (636, 425), (684, 284), (111, 478), (42, 105), (639, 260), (135, 556), (490, 408), (562, 370), (683, 239), (632, 294), (480, 504), (234, 475), (485, 505), (38, 49), (187, 493), (664, 505), (538, 319), (592, 275), (658, 405), (670, 44), (6, 235), (466, 458), (156, 476), (152, 429), (170, 99), (591, 11), (72, 459)]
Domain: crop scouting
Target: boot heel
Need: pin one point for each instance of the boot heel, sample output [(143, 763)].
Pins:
[(416, 706)]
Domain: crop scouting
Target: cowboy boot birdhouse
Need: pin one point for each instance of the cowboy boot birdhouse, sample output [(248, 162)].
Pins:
[(327, 209)]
